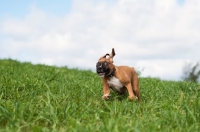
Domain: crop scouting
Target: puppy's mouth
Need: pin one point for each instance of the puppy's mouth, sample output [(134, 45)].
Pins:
[(102, 68), (101, 74)]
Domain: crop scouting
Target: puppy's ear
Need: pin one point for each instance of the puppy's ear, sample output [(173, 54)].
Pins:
[(105, 56), (112, 54)]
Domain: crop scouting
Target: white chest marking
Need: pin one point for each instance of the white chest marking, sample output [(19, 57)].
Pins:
[(115, 84)]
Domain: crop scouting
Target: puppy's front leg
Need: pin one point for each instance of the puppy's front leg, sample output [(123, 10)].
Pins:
[(106, 89)]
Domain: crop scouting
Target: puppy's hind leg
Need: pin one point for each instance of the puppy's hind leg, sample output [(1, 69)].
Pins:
[(135, 85)]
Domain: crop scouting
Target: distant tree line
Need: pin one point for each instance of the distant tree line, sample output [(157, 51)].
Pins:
[(191, 72)]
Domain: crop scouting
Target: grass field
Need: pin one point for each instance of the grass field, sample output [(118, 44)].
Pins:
[(36, 98)]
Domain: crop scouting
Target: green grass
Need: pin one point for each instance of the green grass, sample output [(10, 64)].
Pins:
[(36, 98)]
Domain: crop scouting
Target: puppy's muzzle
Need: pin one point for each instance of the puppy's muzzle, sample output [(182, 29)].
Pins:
[(102, 69)]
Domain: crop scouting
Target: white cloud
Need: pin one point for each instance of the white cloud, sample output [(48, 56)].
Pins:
[(157, 35)]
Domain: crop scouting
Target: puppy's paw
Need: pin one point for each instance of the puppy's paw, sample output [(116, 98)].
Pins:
[(106, 97), (133, 98)]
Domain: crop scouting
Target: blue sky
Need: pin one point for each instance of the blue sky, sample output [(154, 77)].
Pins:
[(20, 8), (181, 2), (155, 36)]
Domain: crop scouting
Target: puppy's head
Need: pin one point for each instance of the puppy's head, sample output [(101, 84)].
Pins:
[(105, 65)]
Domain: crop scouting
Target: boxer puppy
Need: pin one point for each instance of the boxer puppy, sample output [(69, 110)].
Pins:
[(121, 79)]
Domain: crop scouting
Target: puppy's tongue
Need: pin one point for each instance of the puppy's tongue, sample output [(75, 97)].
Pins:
[(101, 74)]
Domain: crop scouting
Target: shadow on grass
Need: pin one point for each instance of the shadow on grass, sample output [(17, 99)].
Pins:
[(123, 97)]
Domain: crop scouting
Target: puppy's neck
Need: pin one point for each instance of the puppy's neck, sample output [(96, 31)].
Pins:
[(111, 74)]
